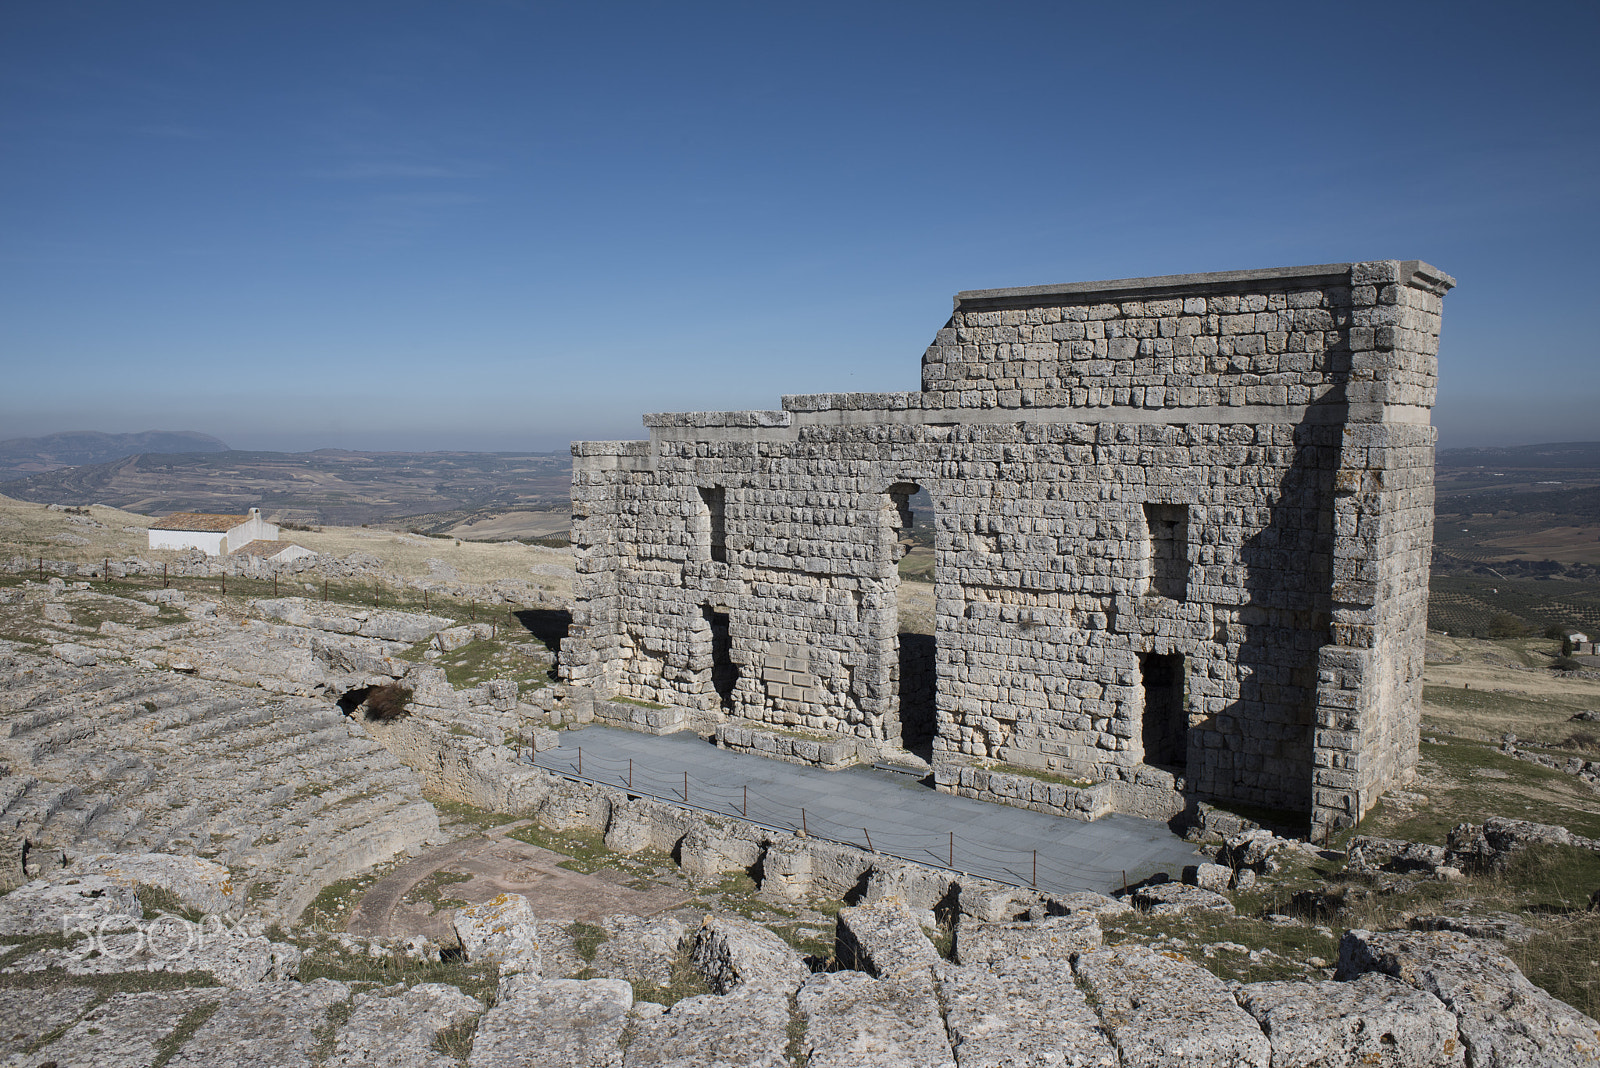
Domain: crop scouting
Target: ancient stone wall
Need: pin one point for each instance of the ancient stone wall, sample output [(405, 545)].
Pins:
[(1182, 535)]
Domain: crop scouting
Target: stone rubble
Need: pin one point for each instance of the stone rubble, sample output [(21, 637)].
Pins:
[(1170, 899)]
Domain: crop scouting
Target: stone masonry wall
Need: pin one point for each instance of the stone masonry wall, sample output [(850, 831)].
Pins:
[(1182, 533)]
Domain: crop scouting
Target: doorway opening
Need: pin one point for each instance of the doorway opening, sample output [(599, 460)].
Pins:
[(1166, 720), (724, 672), (910, 519)]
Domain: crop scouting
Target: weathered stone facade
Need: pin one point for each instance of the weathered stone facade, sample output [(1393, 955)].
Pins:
[(1182, 536)]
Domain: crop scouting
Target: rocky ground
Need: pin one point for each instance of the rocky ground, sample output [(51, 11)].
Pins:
[(257, 867)]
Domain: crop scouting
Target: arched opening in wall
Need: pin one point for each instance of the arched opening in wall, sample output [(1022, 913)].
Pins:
[(915, 673), (1165, 721), (724, 672)]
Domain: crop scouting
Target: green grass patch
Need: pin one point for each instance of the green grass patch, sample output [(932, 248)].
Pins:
[(192, 1021), (456, 1040), (480, 980), (1288, 947), (158, 901), (685, 982), (431, 890), (586, 939), (484, 659), (1564, 958)]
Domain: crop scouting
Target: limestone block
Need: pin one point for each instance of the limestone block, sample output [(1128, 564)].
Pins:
[(1087, 902), (74, 654), (746, 1029), (80, 902), (856, 1021), (1214, 877), (1004, 946), (786, 869), (553, 1023), (1160, 1009), (233, 955), (884, 939), (274, 1023), (125, 1031), (708, 851), (200, 884), (575, 807), (452, 638), (639, 950), (503, 930), (1024, 1018), (644, 824), (919, 887), (29, 1015), (397, 1030), (1504, 1020), (732, 953), (1168, 899), (1374, 1020)]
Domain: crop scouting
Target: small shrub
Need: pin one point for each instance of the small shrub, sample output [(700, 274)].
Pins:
[(388, 702), (1506, 625), (1567, 663)]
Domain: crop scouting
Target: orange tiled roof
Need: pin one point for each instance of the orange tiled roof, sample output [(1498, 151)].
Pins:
[(264, 547), (219, 524)]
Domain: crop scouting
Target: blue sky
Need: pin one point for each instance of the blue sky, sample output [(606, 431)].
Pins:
[(501, 225)]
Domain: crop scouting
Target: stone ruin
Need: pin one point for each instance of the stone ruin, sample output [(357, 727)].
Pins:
[(1183, 529)]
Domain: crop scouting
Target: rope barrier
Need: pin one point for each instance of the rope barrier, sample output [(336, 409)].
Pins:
[(1014, 867)]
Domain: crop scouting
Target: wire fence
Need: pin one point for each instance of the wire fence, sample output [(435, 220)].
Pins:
[(1036, 868)]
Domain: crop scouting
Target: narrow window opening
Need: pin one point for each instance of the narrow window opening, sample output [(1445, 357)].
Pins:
[(724, 672), (1166, 720), (1168, 525), (715, 500)]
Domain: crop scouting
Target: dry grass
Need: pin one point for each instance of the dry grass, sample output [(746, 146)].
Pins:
[(1482, 688), (31, 529)]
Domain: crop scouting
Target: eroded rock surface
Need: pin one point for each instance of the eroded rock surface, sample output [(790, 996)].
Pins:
[(1162, 1009), (502, 930), (554, 1023), (855, 1021), (748, 1029), (1375, 1020), (732, 953), (885, 940), (1504, 1020)]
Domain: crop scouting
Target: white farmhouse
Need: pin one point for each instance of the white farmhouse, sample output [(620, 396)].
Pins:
[(211, 534)]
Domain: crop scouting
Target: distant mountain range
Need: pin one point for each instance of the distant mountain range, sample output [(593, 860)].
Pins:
[(21, 457)]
